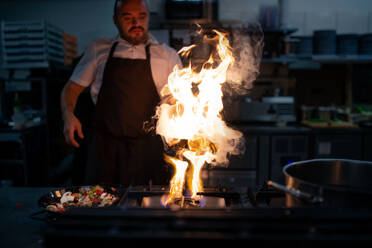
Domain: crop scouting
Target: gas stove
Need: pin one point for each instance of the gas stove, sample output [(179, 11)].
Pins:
[(210, 198), (221, 214)]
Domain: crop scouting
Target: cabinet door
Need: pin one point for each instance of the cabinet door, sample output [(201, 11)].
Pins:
[(263, 167), (247, 160), (241, 170), (230, 178), (286, 150), (367, 147), (346, 146)]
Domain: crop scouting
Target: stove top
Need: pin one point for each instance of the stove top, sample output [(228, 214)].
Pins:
[(225, 214), (142, 197)]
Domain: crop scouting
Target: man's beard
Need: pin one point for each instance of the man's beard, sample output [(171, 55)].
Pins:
[(137, 40)]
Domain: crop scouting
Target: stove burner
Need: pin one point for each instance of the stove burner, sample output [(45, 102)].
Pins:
[(184, 202), (210, 198)]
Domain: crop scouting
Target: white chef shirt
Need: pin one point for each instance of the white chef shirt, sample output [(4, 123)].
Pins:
[(89, 70)]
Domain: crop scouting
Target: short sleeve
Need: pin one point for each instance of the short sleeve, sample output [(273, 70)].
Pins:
[(174, 60), (85, 71)]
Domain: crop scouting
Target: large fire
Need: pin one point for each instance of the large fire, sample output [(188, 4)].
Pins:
[(191, 119)]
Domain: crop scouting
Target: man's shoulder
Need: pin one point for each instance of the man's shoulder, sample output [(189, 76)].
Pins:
[(165, 50), (102, 42), (100, 47)]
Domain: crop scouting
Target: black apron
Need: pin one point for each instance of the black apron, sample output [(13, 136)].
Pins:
[(126, 153)]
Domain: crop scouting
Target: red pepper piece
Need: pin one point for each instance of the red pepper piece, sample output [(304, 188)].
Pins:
[(97, 191)]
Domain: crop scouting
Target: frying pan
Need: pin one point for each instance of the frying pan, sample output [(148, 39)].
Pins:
[(55, 195)]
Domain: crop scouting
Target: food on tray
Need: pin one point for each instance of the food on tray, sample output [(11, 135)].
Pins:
[(92, 196)]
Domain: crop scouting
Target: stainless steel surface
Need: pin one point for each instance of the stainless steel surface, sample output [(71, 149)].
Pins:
[(205, 202), (295, 192), (271, 109), (332, 173), (340, 182)]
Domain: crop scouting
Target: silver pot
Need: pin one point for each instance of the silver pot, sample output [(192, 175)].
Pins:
[(328, 183)]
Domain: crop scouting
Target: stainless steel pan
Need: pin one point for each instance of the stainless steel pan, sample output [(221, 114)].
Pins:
[(328, 183)]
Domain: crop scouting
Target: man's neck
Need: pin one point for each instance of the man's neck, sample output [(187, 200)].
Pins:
[(143, 41)]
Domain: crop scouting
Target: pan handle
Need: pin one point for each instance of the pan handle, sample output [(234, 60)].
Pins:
[(297, 193), (35, 215)]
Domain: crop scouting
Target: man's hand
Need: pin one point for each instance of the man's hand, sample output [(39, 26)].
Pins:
[(72, 125), (69, 96)]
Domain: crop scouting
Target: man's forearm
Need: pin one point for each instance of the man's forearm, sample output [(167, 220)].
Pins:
[(69, 97)]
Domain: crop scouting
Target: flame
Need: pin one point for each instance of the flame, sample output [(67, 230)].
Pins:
[(193, 114), (197, 162), (185, 51), (177, 182)]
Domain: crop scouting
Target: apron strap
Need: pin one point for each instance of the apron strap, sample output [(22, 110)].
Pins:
[(148, 52), (113, 49)]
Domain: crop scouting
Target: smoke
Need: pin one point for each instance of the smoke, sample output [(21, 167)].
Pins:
[(247, 44)]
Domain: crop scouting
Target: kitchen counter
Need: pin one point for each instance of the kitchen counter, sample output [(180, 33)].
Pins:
[(269, 223), (271, 129), (249, 128), (17, 228)]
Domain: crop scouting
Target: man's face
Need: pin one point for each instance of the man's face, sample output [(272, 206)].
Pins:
[(132, 20)]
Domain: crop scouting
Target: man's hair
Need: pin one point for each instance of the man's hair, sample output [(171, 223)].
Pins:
[(115, 6), (121, 1)]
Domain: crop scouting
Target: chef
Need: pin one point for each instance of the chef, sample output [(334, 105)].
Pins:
[(125, 75)]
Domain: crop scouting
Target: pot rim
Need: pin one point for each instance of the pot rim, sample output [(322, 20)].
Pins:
[(363, 190)]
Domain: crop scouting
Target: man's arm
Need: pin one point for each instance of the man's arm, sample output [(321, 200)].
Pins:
[(69, 97)]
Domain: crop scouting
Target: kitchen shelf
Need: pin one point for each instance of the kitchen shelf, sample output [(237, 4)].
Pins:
[(321, 59), (334, 59), (283, 31), (287, 80)]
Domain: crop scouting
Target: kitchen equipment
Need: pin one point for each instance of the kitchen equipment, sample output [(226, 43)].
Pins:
[(347, 44), (327, 183), (366, 124), (260, 217), (269, 16), (211, 198), (305, 45), (55, 195), (31, 44), (183, 11), (271, 109), (325, 42), (365, 44), (291, 45)]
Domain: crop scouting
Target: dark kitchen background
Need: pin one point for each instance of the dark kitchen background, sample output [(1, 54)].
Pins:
[(312, 98)]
